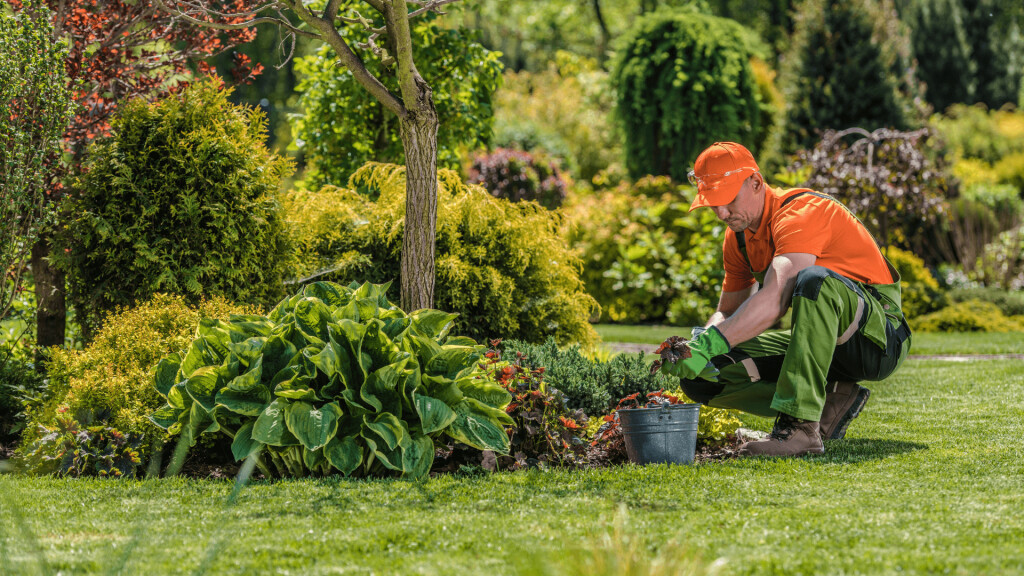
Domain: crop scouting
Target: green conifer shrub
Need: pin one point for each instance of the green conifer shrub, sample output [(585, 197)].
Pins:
[(683, 81), (181, 198), (945, 67), (503, 266), (843, 71)]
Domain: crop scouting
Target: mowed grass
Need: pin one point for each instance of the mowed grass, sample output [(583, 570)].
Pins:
[(923, 343), (930, 480)]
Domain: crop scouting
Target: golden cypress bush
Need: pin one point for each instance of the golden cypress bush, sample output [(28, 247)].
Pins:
[(504, 267)]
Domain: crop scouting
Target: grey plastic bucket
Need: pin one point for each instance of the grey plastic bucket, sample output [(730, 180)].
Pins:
[(666, 434)]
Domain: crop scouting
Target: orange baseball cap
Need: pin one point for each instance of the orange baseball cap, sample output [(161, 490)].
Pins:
[(719, 173)]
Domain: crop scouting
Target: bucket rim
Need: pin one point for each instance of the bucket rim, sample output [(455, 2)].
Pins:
[(689, 405)]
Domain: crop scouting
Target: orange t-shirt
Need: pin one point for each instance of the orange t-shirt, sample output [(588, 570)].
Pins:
[(811, 225)]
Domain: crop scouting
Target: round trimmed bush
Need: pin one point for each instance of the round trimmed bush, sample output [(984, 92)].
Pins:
[(181, 198), (520, 176)]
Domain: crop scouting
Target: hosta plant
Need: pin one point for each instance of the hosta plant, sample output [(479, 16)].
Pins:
[(335, 378)]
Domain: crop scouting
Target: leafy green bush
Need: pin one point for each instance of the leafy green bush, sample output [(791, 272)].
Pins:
[(1009, 302), (646, 258), (563, 111), (19, 382), (517, 176), (343, 126), (110, 383), (683, 81), (35, 108), (181, 198), (979, 133), (334, 378), (968, 316), (920, 290), (503, 267)]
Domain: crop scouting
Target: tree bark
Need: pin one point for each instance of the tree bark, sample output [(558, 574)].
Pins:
[(419, 138), (50, 306)]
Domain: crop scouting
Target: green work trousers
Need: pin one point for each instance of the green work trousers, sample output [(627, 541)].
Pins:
[(787, 371)]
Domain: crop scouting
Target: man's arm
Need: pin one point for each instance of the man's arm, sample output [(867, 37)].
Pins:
[(760, 311), (728, 303)]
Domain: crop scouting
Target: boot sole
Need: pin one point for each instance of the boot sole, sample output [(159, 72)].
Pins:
[(858, 404)]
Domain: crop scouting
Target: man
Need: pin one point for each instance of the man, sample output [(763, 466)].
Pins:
[(786, 248)]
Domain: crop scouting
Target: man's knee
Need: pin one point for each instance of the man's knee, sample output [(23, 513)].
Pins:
[(701, 390), (809, 281)]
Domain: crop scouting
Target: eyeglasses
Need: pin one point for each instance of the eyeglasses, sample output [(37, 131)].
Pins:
[(699, 181)]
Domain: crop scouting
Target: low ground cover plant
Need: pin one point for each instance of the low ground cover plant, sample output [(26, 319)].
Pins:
[(334, 379), (968, 316)]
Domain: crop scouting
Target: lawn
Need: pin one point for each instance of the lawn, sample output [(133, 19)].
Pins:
[(929, 480), (923, 342)]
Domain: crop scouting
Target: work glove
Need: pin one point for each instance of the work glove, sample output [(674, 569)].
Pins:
[(706, 345)]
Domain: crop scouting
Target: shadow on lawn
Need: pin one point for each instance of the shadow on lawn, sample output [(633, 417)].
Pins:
[(863, 449)]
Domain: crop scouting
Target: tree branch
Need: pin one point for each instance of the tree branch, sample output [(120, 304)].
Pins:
[(236, 26)]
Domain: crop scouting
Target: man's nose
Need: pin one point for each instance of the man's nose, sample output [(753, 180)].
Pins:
[(721, 211)]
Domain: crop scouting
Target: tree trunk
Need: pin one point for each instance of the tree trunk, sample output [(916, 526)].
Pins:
[(419, 138), (50, 306)]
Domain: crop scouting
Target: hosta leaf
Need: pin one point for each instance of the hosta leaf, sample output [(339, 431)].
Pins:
[(312, 458), (353, 404), (432, 323), (313, 427), (278, 352), (250, 379), (444, 389), (311, 318), (434, 414), (178, 397), (251, 324), (348, 312), (202, 386), (487, 392), (335, 360), (345, 454), (460, 341), (270, 427), (375, 292), (395, 325), (250, 402), (249, 350), (452, 360), (216, 336), (368, 309), (382, 351), (381, 390), (195, 358), (166, 415), (390, 457), (243, 445), (198, 422), (284, 307), (330, 293), (387, 427), (418, 457), (166, 373), (477, 425), (348, 336), (422, 347)]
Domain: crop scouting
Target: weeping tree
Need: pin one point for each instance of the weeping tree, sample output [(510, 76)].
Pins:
[(389, 41), (35, 107)]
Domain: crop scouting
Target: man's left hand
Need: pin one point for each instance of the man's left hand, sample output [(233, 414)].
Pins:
[(703, 348)]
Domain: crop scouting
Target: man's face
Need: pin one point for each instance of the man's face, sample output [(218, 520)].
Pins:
[(745, 210)]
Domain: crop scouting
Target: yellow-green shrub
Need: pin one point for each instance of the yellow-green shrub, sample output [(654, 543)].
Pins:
[(503, 267), (920, 289), (110, 381), (969, 316)]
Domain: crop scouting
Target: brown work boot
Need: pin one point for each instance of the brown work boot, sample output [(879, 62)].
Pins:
[(790, 437), (843, 402)]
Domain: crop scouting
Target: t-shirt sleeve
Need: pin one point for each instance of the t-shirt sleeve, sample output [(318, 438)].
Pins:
[(737, 270), (797, 229)]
